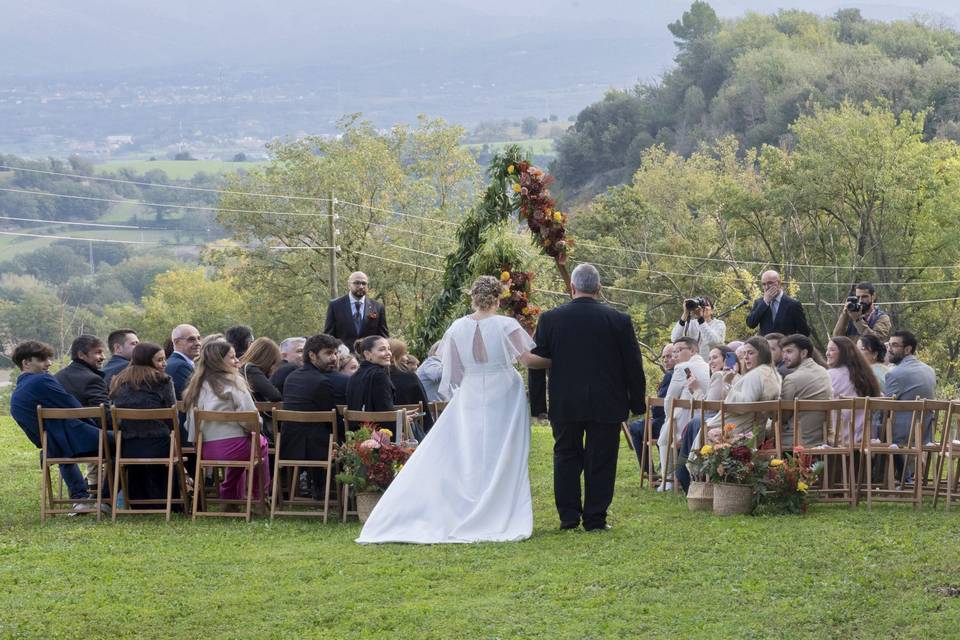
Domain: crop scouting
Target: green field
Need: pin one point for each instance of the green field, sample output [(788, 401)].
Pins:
[(177, 169), (534, 146), (661, 572)]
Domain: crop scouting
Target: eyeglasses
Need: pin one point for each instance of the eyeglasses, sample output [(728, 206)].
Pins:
[(189, 339), (359, 282)]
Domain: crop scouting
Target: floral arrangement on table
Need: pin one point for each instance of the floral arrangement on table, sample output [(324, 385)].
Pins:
[(515, 298), (731, 460), (783, 484), (539, 209), (368, 460)]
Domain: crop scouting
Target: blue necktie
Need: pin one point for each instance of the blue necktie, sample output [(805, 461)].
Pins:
[(357, 317), (774, 307)]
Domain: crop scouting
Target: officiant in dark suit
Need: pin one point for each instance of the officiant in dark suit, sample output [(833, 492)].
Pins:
[(356, 315), (776, 312), (596, 381)]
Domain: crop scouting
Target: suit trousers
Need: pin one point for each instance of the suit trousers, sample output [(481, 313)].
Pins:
[(589, 449)]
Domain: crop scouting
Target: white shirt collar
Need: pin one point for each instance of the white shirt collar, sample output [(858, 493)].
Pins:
[(185, 357)]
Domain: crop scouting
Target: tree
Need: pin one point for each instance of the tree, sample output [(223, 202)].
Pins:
[(55, 265), (529, 126), (240, 157)]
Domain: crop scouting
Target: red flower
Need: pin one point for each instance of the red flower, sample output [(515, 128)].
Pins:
[(741, 453)]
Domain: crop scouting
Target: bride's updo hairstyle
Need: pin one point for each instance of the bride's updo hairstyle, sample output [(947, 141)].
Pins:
[(485, 292)]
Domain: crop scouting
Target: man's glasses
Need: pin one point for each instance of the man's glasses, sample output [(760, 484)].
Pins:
[(359, 282)]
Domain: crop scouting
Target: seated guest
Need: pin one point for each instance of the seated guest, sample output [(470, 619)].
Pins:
[(349, 364), (291, 353), (217, 385), (121, 344), (370, 388), (65, 438), (874, 353), (241, 337), (850, 377), (807, 381), (145, 385), (430, 371), (773, 339), (406, 385), (83, 377), (909, 379), (310, 388), (656, 416), (256, 365), (687, 365), (760, 382), (716, 389), (186, 348)]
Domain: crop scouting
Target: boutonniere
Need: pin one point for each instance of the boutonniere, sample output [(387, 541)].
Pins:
[(372, 315)]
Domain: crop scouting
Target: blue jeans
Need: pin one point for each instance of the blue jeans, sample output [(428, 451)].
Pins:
[(691, 433), (76, 483)]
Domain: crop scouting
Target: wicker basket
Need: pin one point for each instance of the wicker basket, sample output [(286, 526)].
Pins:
[(700, 496), (366, 501), (732, 499)]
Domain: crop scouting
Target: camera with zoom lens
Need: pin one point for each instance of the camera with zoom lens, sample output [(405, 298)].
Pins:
[(853, 304), (692, 304)]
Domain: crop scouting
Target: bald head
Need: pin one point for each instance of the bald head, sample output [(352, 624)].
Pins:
[(770, 283), (186, 340), (358, 284)]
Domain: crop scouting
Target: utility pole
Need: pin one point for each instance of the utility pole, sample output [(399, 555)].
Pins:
[(331, 218), (93, 270)]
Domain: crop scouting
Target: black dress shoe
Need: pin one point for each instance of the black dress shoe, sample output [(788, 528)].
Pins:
[(569, 525), (603, 527)]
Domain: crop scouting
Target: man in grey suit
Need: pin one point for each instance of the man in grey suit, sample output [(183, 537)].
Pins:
[(909, 379), (807, 381)]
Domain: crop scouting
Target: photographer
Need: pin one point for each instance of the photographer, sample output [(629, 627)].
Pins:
[(860, 315), (697, 322)]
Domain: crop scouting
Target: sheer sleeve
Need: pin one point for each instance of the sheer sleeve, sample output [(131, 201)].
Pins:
[(452, 365), (518, 341)]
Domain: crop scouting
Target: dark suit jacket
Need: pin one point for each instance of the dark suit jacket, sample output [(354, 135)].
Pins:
[(370, 389), (340, 320), (278, 377), (306, 389), (115, 365), (790, 318), (179, 369), (407, 389), (597, 373), (84, 383)]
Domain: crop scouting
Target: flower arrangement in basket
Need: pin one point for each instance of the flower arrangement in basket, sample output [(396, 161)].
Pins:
[(368, 460), (783, 483), (729, 461)]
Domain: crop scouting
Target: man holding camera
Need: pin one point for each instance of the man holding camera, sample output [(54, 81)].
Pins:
[(697, 322), (861, 316)]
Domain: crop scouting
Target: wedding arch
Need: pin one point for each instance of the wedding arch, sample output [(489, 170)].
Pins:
[(516, 188)]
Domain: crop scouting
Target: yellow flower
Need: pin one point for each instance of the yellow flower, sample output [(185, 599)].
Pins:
[(505, 293), (802, 487), (526, 311), (776, 462), (511, 169), (706, 450), (504, 276), (557, 216), (516, 188), (388, 432)]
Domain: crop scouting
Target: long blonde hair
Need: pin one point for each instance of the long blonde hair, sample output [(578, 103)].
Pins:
[(213, 369)]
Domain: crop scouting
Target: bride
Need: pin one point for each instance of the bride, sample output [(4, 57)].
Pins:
[(468, 480)]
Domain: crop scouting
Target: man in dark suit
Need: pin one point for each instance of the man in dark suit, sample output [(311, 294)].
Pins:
[(291, 350), (310, 388), (776, 312), (355, 315), (121, 344), (186, 349), (83, 377), (596, 380)]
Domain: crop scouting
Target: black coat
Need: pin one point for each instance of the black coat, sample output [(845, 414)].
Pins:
[(407, 389), (790, 318), (597, 372), (151, 396), (261, 388), (278, 377), (84, 383), (340, 320), (306, 389), (370, 389)]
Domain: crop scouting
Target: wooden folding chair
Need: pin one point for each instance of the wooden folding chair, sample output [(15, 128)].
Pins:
[(934, 427), (760, 413), (673, 452), (950, 456), (251, 465), (281, 416), (350, 417), (173, 461), (50, 505), (436, 408), (649, 442), (910, 451), (834, 421), (707, 409), (408, 433)]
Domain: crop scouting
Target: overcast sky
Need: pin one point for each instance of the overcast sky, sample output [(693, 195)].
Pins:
[(42, 36)]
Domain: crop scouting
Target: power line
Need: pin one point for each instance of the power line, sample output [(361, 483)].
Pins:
[(40, 235), (166, 186), (87, 224), (408, 264), (397, 213)]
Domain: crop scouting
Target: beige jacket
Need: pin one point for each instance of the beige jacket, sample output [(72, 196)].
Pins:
[(809, 381)]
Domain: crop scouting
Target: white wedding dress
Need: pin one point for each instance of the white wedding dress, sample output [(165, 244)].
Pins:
[(468, 479)]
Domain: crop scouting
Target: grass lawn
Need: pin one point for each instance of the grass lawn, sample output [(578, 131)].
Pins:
[(177, 169), (661, 572), (533, 146)]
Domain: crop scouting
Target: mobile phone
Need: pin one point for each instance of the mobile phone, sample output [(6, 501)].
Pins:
[(688, 373), (730, 361)]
